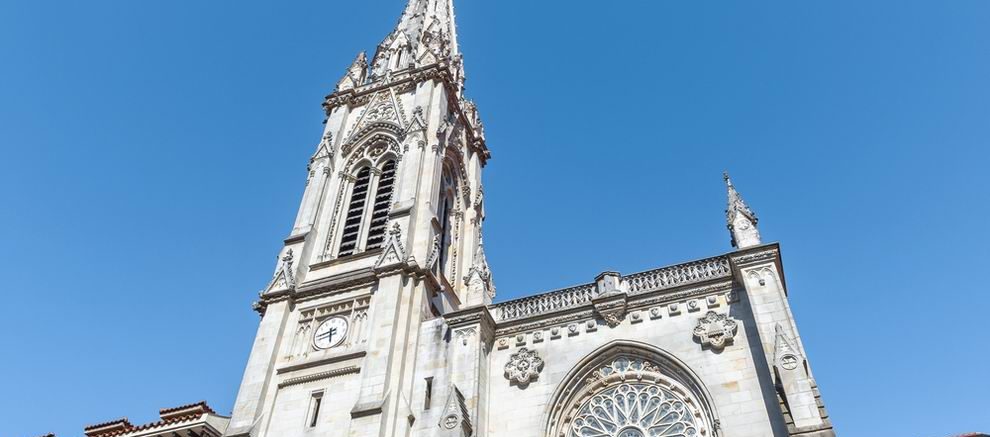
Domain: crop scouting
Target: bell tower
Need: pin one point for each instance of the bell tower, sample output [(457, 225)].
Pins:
[(387, 238)]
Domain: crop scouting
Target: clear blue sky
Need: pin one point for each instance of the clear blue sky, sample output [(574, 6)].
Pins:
[(154, 152)]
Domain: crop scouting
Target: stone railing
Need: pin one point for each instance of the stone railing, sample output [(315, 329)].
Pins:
[(637, 283), (544, 303), (675, 276)]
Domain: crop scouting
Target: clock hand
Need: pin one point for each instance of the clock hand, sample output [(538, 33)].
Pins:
[(327, 335)]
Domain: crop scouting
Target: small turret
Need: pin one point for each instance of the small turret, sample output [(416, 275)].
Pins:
[(356, 74), (740, 220)]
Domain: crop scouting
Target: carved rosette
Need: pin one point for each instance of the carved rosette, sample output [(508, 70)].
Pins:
[(523, 367), (716, 330), (786, 356)]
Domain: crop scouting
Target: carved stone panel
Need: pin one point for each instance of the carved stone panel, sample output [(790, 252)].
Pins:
[(716, 330), (523, 367)]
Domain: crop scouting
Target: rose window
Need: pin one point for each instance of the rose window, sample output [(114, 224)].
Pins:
[(634, 410)]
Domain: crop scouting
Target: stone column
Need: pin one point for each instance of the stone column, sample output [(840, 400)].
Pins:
[(257, 383), (387, 375), (472, 331), (760, 272)]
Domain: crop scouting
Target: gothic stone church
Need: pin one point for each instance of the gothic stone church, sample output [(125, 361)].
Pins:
[(379, 319)]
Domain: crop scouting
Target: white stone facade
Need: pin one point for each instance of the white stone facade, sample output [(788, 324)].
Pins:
[(379, 320)]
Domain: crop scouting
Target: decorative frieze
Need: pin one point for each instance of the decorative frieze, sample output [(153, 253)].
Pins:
[(655, 313), (693, 305), (334, 308)]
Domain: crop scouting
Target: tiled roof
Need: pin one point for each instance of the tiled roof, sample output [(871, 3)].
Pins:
[(169, 416), (186, 410), (107, 428)]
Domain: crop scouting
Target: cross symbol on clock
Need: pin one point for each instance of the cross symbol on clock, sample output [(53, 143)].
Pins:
[(330, 333)]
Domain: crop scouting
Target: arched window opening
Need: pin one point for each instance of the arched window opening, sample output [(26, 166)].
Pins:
[(631, 389), (355, 212), (383, 200), (445, 213)]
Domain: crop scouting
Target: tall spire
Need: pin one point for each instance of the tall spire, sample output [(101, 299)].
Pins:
[(425, 34), (740, 220)]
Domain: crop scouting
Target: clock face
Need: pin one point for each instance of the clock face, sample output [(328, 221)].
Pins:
[(330, 333)]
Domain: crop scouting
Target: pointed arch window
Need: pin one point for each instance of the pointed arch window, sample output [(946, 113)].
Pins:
[(445, 214), (366, 217), (630, 389), (355, 213), (383, 200)]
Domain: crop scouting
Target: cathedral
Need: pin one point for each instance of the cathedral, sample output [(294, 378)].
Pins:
[(380, 320)]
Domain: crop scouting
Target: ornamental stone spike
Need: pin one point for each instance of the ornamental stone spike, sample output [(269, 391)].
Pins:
[(740, 220), (425, 34), (356, 75)]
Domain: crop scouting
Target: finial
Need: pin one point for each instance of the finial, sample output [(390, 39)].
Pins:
[(741, 220)]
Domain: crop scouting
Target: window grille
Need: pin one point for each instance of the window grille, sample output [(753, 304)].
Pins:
[(383, 199), (355, 212)]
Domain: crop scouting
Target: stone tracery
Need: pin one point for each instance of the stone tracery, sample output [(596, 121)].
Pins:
[(631, 390), (634, 410)]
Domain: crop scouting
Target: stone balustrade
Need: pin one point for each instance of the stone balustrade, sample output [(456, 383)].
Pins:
[(637, 283)]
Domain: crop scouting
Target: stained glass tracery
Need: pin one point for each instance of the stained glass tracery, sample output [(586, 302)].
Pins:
[(634, 410)]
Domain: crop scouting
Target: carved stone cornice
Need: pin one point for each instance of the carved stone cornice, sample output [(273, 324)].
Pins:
[(416, 76), (470, 321), (658, 298), (319, 376), (335, 284), (470, 316), (509, 329), (297, 238), (755, 255), (322, 361), (340, 260)]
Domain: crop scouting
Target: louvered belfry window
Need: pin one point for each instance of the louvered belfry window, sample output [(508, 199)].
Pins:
[(383, 199), (355, 213)]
